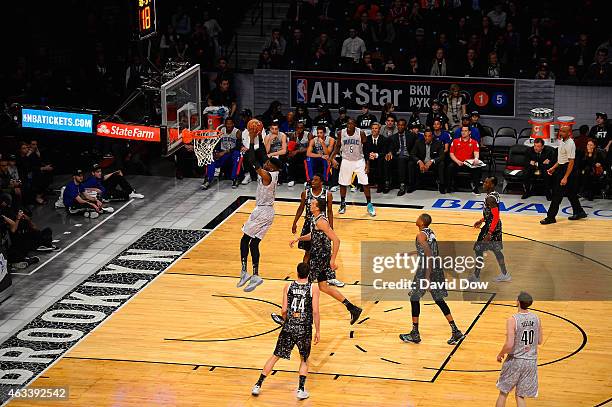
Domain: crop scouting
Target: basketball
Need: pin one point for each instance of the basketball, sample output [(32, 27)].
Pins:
[(255, 126)]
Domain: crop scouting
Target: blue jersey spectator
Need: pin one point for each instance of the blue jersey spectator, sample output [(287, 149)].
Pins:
[(474, 132)]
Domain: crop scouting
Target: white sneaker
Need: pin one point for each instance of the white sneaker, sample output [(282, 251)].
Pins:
[(254, 281), (353, 188), (59, 204), (335, 282), (290, 183), (335, 188), (247, 179), (503, 278), (136, 195), (108, 209), (91, 214), (255, 391), (302, 394)]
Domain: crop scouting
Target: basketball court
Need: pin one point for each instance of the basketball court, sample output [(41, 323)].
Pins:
[(192, 338)]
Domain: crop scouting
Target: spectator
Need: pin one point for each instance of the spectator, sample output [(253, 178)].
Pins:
[(428, 157), (390, 128), (461, 150), (580, 55), (439, 66), (414, 68), (541, 158), (494, 69), (353, 47), (375, 150), (301, 115), (383, 34), (601, 132), (487, 38), (592, 170), (400, 145), (363, 30), (133, 74), (323, 51), (288, 126), (342, 120), (532, 55), (297, 50), (223, 95), (181, 21), (105, 186), (475, 123), (245, 116), (6, 282), (466, 120), (213, 29), (420, 47), (77, 201), (460, 35), (16, 254), (390, 66), (600, 71), (368, 65), (366, 119), (387, 110), (470, 66), (607, 45), (8, 183), (455, 105), (323, 118), (273, 114), (167, 42), (414, 121), (544, 72), (436, 112), (581, 140), (440, 134), (297, 148), (224, 72), (276, 44), (397, 12), (226, 155), (42, 172), (202, 47), (265, 60), (571, 76), (498, 15)]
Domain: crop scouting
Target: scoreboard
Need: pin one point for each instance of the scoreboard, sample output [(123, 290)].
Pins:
[(147, 23)]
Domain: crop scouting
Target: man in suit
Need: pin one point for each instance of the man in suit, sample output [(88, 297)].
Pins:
[(399, 148), (540, 159), (428, 157), (375, 149)]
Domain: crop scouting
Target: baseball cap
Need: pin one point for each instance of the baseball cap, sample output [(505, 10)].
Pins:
[(420, 31), (435, 102), (247, 112), (602, 115), (415, 124), (322, 108), (77, 172), (475, 113), (95, 167), (465, 117), (342, 109)]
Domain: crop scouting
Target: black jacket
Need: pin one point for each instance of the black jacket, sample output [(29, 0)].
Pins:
[(394, 143), (436, 151), (381, 146), (547, 153)]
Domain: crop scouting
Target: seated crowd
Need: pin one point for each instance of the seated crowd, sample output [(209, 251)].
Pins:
[(400, 153)]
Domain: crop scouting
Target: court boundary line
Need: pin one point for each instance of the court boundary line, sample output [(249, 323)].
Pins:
[(575, 352), (68, 351)]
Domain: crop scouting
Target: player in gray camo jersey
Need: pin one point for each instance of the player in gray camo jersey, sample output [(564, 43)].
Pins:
[(520, 369), (262, 216)]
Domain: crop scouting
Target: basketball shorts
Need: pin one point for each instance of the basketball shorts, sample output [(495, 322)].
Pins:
[(519, 373), (259, 222), (289, 338), (347, 168)]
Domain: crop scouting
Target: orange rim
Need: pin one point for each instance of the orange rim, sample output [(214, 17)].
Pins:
[(188, 136)]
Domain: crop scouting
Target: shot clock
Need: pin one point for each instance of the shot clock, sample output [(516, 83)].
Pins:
[(147, 22)]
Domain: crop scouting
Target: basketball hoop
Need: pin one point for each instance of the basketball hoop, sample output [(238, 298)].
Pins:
[(204, 143)]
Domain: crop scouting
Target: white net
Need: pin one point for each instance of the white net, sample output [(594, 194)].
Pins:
[(203, 147)]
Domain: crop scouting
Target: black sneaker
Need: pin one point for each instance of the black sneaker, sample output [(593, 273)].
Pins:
[(277, 318), (402, 190), (31, 260), (355, 313), (205, 185), (455, 338), (441, 189), (580, 215), (476, 190), (548, 221), (342, 208), (413, 337), (525, 195), (235, 183)]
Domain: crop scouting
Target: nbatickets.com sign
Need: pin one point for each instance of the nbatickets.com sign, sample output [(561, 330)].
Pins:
[(126, 131)]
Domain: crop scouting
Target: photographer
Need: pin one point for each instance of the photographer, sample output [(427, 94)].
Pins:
[(16, 245), (8, 184)]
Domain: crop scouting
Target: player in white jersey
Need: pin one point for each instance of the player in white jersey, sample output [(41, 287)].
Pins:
[(520, 369), (351, 144), (262, 216)]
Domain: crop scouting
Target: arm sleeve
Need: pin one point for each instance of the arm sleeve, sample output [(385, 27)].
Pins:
[(495, 212)]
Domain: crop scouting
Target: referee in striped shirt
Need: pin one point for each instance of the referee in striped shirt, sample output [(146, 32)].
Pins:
[(564, 179)]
